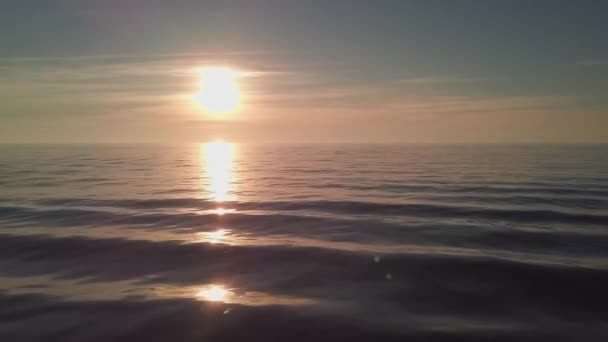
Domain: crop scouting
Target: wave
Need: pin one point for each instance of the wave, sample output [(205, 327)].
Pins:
[(126, 258), (437, 187), (563, 203), (350, 284), (344, 243), (357, 208), (186, 320), (370, 232)]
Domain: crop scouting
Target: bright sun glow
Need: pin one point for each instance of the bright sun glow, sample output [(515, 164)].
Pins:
[(219, 91)]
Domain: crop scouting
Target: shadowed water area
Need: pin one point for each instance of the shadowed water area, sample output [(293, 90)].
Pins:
[(221, 242)]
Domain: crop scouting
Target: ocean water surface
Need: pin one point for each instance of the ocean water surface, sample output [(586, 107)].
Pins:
[(228, 242)]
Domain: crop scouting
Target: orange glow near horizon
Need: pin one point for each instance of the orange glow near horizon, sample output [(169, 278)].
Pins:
[(219, 92)]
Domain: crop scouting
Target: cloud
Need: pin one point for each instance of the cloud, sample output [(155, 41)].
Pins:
[(593, 63), (436, 80), (392, 99), (110, 80), (135, 90), (466, 104)]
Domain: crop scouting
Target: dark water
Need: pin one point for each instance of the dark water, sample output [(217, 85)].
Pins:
[(222, 242)]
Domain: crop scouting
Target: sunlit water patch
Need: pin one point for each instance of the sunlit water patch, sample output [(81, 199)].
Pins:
[(357, 242)]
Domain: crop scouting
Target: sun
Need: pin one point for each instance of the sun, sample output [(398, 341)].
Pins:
[(219, 92)]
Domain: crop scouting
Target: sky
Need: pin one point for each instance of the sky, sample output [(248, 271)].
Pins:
[(308, 71)]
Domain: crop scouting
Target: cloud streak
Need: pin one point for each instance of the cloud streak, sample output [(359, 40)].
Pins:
[(157, 93), (436, 80), (593, 63)]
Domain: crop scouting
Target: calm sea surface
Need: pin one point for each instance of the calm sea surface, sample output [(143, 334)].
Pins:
[(223, 242)]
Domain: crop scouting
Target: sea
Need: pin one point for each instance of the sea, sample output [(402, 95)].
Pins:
[(222, 241)]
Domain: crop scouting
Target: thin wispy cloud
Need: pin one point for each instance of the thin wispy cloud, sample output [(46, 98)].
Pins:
[(436, 80), (168, 79), (593, 63)]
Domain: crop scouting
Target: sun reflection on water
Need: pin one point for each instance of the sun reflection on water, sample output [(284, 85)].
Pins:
[(75, 290), (214, 293), (218, 156), (221, 294), (222, 211), (218, 236)]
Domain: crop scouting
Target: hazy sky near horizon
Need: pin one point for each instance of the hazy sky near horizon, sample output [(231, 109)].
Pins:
[(310, 71)]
